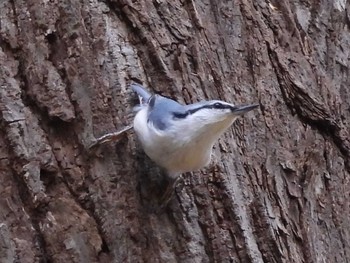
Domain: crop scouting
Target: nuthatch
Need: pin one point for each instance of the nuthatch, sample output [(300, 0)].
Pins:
[(179, 137)]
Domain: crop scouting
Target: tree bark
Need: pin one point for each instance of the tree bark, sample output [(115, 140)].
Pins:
[(278, 185)]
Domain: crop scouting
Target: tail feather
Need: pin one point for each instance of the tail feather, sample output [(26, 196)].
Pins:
[(143, 94)]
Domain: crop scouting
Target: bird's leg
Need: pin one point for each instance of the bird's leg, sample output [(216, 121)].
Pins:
[(169, 191), (113, 136)]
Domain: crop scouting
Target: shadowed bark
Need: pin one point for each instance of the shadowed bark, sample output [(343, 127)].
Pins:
[(278, 185)]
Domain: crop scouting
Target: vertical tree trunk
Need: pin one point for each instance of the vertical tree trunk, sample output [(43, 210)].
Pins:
[(278, 186)]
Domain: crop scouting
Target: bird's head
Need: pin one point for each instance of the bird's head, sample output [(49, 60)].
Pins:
[(214, 111)]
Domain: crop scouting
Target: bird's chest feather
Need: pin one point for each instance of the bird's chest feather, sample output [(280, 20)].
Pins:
[(183, 146)]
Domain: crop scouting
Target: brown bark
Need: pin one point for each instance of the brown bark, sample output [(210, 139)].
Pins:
[(278, 186)]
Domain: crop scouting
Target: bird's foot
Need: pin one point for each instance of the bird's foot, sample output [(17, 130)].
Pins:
[(169, 193)]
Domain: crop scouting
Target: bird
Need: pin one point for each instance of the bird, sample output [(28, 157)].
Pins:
[(180, 138)]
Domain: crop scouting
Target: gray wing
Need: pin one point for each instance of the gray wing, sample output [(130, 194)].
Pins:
[(143, 94), (162, 110)]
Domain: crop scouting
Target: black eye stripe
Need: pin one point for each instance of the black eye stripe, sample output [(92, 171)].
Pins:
[(179, 115), (216, 105)]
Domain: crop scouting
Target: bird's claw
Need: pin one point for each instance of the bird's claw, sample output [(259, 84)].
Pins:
[(169, 193)]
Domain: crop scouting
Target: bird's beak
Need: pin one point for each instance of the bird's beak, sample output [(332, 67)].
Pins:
[(239, 110)]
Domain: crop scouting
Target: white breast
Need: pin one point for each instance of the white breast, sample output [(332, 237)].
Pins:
[(182, 147), (174, 150)]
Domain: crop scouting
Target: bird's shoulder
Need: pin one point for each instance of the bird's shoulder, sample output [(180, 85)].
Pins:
[(162, 110)]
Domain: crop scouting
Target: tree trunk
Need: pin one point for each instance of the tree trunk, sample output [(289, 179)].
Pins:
[(278, 185)]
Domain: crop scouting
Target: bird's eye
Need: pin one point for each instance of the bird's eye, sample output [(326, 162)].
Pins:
[(217, 105)]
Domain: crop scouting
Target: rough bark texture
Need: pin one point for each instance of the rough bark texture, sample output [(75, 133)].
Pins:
[(278, 186)]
